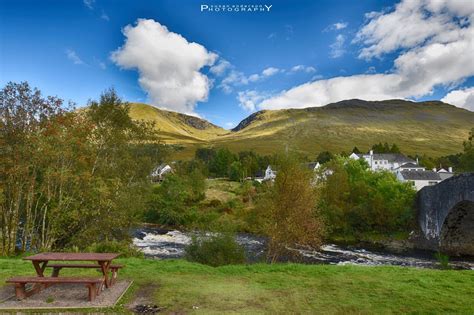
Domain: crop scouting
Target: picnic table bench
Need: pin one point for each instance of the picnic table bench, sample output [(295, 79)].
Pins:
[(113, 268), (41, 262), (93, 284)]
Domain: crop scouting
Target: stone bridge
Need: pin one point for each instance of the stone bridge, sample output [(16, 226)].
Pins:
[(446, 215)]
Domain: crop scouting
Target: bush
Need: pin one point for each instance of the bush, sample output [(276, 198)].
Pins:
[(217, 250), (173, 202), (124, 248)]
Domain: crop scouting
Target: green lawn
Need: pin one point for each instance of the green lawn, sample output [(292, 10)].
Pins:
[(289, 288)]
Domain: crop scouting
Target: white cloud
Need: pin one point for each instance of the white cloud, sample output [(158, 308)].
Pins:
[(270, 71), (461, 98), (303, 68), (104, 16), (230, 125), (436, 38), (336, 26), (89, 4), (339, 25), (412, 23), (168, 65), (72, 55), (220, 67), (249, 99), (237, 78), (337, 48)]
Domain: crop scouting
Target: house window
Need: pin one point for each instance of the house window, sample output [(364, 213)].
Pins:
[(432, 183)]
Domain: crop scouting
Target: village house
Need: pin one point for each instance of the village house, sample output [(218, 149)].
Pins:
[(404, 168), (384, 161), (419, 178), (160, 172), (444, 174), (268, 174)]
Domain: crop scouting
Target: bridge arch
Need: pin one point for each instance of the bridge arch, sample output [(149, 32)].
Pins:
[(457, 233), (446, 215)]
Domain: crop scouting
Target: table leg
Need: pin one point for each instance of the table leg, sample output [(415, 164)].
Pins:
[(40, 266), (104, 266)]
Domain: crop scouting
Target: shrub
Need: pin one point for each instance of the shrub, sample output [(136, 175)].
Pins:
[(124, 248), (443, 261), (217, 250)]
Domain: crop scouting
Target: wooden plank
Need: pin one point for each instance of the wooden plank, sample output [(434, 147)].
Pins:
[(112, 266), (54, 280), (73, 256)]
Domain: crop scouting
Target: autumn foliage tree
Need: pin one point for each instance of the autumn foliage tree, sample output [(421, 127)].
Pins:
[(288, 210), (68, 177)]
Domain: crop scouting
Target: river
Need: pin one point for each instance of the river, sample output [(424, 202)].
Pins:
[(165, 244)]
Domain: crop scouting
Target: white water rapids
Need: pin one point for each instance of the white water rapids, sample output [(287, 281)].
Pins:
[(158, 243)]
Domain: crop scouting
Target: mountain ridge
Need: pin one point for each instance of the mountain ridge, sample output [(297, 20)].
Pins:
[(431, 127)]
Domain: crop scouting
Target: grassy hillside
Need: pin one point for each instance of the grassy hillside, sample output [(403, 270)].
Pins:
[(181, 287), (177, 128), (434, 128)]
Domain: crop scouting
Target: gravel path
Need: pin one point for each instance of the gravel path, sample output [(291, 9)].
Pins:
[(63, 296)]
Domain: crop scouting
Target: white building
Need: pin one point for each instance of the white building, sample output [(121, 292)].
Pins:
[(406, 169), (384, 161), (160, 171), (444, 174), (269, 173), (419, 178)]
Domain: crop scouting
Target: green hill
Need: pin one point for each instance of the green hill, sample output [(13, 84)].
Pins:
[(434, 128), (176, 128)]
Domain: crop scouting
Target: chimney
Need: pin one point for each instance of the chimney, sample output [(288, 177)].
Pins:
[(417, 161), (450, 169), (371, 152)]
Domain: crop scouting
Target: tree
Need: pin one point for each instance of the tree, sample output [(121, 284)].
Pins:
[(356, 150), (220, 165), (466, 161), (356, 200), (288, 210), (205, 154), (236, 171), (24, 114), (69, 177), (324, 156)]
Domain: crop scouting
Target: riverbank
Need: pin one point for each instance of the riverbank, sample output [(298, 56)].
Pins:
[(183, 287)]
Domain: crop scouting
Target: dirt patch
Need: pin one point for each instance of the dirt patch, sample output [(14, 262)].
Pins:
[(143, 302), (64, 296)]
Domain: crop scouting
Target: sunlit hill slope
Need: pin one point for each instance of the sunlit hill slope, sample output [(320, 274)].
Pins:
[(434, 128)]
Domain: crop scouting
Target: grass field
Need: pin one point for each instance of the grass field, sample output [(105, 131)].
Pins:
[(221, 189), (179, 286)]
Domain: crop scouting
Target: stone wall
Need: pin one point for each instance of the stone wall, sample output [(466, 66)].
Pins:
[(435, 203)]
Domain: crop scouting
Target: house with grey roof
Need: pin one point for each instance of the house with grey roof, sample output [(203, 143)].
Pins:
[(410, 167), (419, 178), (384, 161)]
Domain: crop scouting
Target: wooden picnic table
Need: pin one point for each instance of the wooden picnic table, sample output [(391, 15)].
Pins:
[(104, 261)]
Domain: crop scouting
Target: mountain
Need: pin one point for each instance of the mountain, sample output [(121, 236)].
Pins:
[(176, 128), (432, 127)]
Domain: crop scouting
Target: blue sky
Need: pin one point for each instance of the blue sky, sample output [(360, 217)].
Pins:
[(295, 54)]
